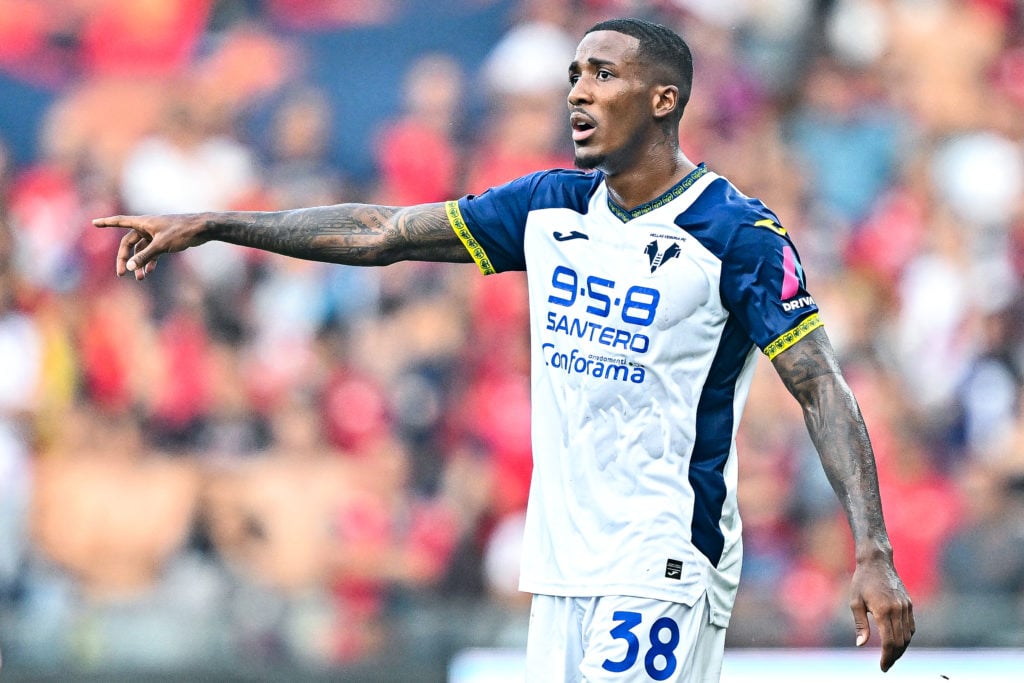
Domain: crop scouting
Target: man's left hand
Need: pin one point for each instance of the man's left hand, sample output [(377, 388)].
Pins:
[(878, 590)]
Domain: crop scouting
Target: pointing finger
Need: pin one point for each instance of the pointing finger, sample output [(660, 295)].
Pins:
[(113, 222), (108, 222)]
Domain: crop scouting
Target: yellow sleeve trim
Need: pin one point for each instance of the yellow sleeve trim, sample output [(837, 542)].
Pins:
[(472, 246), (806, 326)]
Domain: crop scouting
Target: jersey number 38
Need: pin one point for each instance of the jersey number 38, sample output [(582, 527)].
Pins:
[(663, 637)]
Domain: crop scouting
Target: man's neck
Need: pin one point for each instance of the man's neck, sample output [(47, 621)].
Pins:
[(649, 179)]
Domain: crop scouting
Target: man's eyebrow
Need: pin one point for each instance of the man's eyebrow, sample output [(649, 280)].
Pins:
[(593, 61)]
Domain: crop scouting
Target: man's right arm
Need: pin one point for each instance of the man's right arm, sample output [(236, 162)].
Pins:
[(352, 234)]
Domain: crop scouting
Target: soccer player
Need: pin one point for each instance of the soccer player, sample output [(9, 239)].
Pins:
[(654, 283)]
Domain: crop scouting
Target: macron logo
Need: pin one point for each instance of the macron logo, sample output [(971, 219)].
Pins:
[(574, 235)]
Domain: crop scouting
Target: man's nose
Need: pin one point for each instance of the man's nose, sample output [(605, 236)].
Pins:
[(579, 94)]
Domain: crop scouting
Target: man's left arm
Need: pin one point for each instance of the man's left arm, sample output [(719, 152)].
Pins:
[(812, 375)]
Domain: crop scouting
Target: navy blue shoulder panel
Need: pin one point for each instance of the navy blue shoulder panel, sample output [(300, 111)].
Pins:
[(497, 217), (762, 281), (716, 214)]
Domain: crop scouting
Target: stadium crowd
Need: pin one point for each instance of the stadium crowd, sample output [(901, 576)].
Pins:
[(252, 460)]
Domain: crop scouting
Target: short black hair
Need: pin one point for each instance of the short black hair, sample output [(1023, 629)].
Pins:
[(660, 46)]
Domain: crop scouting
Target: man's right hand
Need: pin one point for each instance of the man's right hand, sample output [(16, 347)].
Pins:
[(150, 236)]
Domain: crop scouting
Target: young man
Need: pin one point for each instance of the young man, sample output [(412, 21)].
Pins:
[(653, 284)]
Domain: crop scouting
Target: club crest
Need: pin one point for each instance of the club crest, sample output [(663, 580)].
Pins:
[(657, 257)]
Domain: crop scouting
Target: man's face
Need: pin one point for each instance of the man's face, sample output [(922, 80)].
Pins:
[(609, 106)]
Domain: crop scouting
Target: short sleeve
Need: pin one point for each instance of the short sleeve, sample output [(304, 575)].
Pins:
[(492, 224), (764, 286)]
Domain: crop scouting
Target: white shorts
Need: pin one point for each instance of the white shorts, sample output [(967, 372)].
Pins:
[(615, 638)]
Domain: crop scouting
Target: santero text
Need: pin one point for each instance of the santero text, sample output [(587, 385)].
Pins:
[(596, 332)]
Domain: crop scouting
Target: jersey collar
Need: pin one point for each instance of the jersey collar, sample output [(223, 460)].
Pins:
[(672, 193)]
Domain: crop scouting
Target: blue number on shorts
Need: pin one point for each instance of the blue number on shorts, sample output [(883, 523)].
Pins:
[(664, 648), (659, 648), (627, 620)]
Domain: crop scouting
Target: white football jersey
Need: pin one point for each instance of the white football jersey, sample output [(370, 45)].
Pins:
[(645, 328)]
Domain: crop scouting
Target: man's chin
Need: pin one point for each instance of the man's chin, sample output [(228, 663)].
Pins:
[(587, 162)]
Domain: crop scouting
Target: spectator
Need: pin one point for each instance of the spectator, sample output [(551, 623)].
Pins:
[(21, 365), (417, 153), (524, 74), (982, 564), (298, 171), (107, 512)]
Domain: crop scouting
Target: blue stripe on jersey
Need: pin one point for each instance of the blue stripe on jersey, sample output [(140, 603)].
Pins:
[(713, 442), (504, 209)]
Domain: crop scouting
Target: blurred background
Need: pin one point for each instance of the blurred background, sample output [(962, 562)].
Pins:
[(255, 468)]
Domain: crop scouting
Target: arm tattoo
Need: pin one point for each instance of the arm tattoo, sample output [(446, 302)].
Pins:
[(812, 375), (354, 234)]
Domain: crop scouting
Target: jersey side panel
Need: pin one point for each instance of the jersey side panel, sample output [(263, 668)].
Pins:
[(763, 290)]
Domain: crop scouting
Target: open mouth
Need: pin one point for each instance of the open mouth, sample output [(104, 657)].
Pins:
[(582, 126)]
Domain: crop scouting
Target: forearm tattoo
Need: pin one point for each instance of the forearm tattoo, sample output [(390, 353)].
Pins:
[(355, 234), (811, 372)]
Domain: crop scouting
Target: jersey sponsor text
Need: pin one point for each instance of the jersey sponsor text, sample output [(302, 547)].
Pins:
[(596, 332), (575, 363), (797, 304)]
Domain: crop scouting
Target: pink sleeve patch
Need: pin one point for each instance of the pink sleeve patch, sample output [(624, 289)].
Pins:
[(791, 276)]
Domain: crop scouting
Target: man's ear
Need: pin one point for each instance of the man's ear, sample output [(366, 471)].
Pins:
[(664, 100)]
